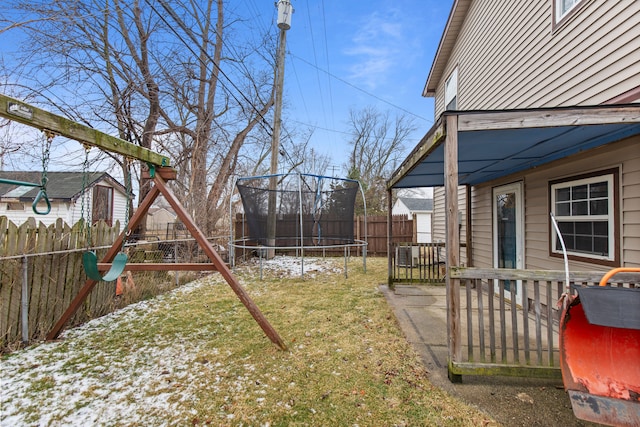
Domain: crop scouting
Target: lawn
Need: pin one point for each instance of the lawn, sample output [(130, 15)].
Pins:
[(195, 356)]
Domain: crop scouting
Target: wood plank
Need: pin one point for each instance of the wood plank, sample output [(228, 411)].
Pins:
[(160, 266), (541, 275), (548, 118), (22, 112), (452, 242), (490, 369), (434, 137), (168, 174), (63, 238), (38, 287), (44, 320), (10, 290)]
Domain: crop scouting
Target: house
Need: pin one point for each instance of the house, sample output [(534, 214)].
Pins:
[(104, 197), (537, 107), (161, 222), (419, 210)]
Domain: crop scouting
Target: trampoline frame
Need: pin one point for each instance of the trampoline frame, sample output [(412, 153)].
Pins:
[(241, 243)]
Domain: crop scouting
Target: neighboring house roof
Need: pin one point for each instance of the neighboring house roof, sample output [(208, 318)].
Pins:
[(447, 42), (60, 185), (417, 205)]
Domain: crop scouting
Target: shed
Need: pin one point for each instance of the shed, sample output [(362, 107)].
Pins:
[(105, 198), (420, 210)]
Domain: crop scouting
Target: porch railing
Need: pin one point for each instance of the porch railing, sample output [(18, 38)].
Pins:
[(417, 263), (509, 320)]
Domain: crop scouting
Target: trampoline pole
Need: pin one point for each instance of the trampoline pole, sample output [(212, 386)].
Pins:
[(366, 243), (345, 263), (301, 230), (260, 256)]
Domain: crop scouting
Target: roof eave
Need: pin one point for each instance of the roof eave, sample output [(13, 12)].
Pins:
[(427, 144), (447, 42)]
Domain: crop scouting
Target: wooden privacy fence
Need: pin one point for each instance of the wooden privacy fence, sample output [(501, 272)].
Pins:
[(46, 264), (375, 232)]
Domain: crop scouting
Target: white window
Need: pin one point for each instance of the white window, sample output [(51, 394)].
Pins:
[(563, 7), (584, 210), (451, 91)]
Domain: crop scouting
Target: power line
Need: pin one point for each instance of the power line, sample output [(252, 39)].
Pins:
[(315, 59), (326, 53), (193, 38), (359, 89)]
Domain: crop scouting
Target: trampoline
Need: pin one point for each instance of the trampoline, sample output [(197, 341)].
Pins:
[(294, 213)]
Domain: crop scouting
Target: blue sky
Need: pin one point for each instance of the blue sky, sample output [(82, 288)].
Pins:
[(344, 55)]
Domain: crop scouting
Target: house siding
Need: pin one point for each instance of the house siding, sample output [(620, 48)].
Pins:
[(623, 155), (423, 227), (523, 62), (70, 212), (58, 210), (438, 220)]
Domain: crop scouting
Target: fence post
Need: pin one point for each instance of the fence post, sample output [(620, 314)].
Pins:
[(24, 303)]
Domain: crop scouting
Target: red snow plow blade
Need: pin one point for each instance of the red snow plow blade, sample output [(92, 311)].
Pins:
[(601, 363)]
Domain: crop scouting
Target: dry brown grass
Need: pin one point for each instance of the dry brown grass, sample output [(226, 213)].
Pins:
[(199, 358)]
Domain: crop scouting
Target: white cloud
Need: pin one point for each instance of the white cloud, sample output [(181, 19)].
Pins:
[(378, 45)]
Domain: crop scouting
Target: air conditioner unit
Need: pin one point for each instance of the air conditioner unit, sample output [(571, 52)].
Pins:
[(407, 256)]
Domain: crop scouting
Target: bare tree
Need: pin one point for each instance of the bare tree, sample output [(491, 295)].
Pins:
[(377, 147), (183, 81)]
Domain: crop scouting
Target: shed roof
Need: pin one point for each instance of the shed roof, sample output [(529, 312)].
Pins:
[(415, 204), (60, 185), (493, 144)]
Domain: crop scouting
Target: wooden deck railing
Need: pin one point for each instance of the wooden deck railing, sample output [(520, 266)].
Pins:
[(417, 263), (513, 333)]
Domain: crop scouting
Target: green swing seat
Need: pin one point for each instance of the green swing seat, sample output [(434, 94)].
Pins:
[(90, 262)]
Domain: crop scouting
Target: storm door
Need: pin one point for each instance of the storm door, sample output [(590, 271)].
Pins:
[(508, 235)]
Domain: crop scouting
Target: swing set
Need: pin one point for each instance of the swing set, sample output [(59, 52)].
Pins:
[(114, 262)]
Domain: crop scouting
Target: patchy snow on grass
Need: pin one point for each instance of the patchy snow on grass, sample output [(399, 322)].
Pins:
[(81, 380), (284, 266), (114, 370)]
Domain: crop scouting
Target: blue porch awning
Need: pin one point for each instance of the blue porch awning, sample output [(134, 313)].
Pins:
[(493, 144)]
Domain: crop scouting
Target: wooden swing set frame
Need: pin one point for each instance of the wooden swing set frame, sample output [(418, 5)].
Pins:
[(159, 172)]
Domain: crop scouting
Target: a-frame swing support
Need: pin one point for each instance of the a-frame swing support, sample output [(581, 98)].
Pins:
[(19, 111)]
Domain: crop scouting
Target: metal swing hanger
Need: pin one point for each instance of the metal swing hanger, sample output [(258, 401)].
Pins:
[(42, 194)]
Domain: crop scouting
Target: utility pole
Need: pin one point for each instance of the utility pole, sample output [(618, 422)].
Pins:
[(284, 23)]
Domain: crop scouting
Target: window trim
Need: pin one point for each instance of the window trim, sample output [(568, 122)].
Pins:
[(447, 84), (613, 260), (559, 21)]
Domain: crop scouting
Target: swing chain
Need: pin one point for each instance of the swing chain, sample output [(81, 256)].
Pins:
[(128, 185), (46, 154), (85, 199), (42, 194)]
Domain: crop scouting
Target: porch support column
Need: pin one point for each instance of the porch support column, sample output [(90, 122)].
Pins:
[(452, 242), (389, 237), (469, 234)]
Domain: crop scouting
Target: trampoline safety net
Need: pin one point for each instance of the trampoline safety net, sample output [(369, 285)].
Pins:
[(310, 210)]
